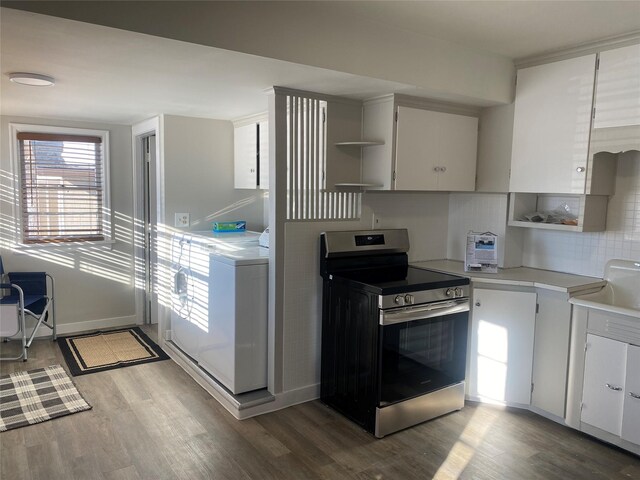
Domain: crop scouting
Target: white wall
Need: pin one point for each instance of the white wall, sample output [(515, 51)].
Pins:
[(425, 215), (482, 213), (587, 253), (198, 175), (94, 285)]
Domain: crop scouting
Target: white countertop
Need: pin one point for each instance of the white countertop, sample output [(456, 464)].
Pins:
[(520, 276), (251, 255)]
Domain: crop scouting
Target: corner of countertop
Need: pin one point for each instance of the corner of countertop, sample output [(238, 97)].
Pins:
[(520, 276)]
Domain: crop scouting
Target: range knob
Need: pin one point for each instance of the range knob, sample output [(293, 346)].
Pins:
[(458, 292), (399, 300), (449, 292), (408, 299)]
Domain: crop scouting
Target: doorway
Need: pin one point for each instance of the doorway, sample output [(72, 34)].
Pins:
[(148, 216), (149, 229)]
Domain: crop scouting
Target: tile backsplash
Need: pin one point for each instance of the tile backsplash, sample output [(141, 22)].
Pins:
[(587, 253), (482, 212)]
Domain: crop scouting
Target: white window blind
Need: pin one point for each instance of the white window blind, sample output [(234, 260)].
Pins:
[(306, 163), (62, 184)]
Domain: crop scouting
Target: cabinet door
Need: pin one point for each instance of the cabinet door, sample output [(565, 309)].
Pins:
[(435, 150), (417, 149), (631, 411), (603, 390), (245, 147), (264, 154), (551, 352), (551, 128), (458, 149), (618, 88), (501, 346)]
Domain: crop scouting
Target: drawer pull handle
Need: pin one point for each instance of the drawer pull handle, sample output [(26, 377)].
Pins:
[(634, 395), (617, 389)]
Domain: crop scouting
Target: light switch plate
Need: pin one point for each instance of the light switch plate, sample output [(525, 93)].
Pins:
[(182, 220)]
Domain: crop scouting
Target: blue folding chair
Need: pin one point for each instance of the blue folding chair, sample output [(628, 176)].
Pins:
[(30, 293)]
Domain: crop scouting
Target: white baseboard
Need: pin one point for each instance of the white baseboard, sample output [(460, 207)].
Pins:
[(86, 326), (283, 400)]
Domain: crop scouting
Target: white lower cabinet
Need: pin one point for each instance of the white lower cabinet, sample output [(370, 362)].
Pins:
[(551, 352), (611, 392), (631, 407), (501, 346), (603, 390)]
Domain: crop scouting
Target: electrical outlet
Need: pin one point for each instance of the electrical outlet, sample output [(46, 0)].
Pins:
[(182, 220)]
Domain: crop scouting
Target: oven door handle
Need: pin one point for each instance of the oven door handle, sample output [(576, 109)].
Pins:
[(437, 309)]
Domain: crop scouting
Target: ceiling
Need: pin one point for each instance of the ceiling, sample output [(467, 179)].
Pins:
[(513, 28), (117, 76)]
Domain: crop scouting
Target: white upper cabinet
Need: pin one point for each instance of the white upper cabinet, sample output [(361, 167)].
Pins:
[(435, 150), (245, 156), (552, 122), (618, 88), (424, 150), (251, 152), (263, 150)]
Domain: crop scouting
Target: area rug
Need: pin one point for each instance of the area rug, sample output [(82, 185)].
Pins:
[(36, 396), (100, 351)]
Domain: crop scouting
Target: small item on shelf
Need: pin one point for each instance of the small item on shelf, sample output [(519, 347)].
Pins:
[(562, 215)]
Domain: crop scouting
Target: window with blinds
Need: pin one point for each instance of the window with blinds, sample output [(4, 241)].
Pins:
[(62, 187)]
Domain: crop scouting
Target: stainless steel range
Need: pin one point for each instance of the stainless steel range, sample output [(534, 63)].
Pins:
[(394, 337)]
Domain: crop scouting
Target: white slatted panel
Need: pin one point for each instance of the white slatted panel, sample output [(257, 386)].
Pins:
[(306, 161)]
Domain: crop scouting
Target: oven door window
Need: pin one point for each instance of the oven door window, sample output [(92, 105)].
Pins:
[(422, 356)]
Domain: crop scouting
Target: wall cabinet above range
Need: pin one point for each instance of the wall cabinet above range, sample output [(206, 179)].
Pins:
[(427, 146)]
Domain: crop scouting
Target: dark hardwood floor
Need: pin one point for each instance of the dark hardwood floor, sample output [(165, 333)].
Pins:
[(154, 422)]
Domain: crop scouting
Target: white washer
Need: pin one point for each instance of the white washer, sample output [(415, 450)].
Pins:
[(190, 271), (234, 348)]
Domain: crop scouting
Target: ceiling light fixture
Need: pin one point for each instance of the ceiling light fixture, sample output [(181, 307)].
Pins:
[(32, 79)]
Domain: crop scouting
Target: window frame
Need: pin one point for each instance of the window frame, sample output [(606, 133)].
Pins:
[(17, 214)]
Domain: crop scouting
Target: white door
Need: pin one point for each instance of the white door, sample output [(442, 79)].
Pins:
[(552, 122), (458, 152), (417, 149), (435, 151), (245, 161), (618, 88), (631, 411), (501, 346), (551, 352), (603, 390)]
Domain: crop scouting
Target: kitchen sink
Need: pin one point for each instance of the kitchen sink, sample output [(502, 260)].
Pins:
[(621, 294)]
